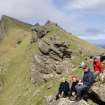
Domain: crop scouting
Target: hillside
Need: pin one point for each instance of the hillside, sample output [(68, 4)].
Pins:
[(16, 51)]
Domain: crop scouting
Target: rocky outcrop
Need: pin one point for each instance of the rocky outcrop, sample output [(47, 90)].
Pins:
[(46, 66), (55, 49), (51, 23), (99, 89), (53, 58), (63, 101), (3, 27), (38, 32)]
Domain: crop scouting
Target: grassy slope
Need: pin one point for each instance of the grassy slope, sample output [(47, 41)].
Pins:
[(18, 89)]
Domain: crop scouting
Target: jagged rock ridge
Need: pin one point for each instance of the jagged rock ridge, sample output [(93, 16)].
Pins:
[(53, 58)]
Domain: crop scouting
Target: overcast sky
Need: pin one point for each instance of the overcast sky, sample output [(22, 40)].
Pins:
[(85, 18)]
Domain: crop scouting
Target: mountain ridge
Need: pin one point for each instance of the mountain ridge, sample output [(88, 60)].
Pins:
[(16, 54)]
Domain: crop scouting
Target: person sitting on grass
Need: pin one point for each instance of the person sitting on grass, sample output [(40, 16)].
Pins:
[(64, 89)]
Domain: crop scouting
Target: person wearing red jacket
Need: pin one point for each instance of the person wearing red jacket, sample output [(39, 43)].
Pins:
[(98, 68), (97, 65)]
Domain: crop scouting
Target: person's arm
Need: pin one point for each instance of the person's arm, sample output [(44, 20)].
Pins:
[(90, 79), (68, 86), (60, 87)]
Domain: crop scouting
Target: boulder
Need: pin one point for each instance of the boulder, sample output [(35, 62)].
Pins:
[(3, 28), (40, 31), (55, 56), (63, 101), (52, 60), (51, 23), (46, 68), (56, 49), (99, 89), (43, 47), (34, 37)]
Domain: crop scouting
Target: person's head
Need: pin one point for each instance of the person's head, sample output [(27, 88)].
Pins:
[(85, 68), (103, 54), (91, 57), (74, 78), (95, 59), (82, 64), (63, 79)]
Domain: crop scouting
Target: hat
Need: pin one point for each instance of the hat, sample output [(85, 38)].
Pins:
[(82, 64), (84, 67)]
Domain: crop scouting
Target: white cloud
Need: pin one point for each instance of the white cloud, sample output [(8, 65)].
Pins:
[(16, 8), (34, 10), (93, 37), (38, 11), (43, 10), (29, 9), (84, 4)]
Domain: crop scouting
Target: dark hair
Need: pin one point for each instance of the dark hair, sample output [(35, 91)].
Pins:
[(91, 57), (94, 62)]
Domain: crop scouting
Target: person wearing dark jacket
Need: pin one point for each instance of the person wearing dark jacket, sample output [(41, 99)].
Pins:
[(74, 83), (63, 89), (73, 93), (88, 80)]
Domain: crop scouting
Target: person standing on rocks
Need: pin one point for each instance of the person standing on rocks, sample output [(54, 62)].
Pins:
[(88, 80)]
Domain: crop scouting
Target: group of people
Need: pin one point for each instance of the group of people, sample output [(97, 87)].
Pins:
[(80, 87)]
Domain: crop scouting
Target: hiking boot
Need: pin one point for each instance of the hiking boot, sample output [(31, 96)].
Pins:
[(78, 98), (72, 98)]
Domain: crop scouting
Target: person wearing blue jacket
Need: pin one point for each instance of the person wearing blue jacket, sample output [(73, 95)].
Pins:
[(88, 80)]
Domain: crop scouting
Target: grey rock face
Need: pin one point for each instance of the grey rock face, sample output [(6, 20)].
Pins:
[(38, 32), (55, 49), (99, 89), (63, 101), (45, 68), (43, 47), (51, 23), (3, 28), (53, 58)]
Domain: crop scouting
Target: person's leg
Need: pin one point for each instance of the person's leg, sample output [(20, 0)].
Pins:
[(85, 91), (71, 91), (71, 94), (57, 96), (61, 95), (79, 90)]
